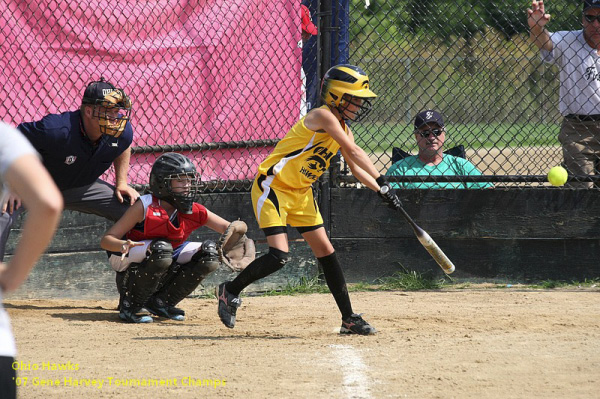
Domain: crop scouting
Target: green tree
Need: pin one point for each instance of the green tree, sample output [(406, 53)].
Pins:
[(509, 17), (382, 20), (418, 11), (392, 20)]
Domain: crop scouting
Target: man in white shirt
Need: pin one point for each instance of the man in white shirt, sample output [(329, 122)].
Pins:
[(576, 53)]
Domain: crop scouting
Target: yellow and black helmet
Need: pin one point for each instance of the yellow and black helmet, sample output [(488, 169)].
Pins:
[(342, 84)]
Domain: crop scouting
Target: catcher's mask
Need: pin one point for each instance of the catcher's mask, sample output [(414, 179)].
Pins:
[(111, 106), (174, 179), (345, 85)]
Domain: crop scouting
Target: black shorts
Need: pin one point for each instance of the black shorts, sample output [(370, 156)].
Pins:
[(271, 231), (8, 385)]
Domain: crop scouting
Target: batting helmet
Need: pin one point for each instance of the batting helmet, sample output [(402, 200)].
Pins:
[(172, 166), (344, 85)]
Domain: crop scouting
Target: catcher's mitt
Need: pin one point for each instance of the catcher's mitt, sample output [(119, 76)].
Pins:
[(236, 251)]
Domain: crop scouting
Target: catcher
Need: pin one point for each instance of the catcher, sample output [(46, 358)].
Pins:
[(156, 267)]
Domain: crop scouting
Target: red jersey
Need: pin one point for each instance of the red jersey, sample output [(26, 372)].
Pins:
[(158, 225)]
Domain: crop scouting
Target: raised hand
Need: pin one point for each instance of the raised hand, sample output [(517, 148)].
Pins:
[(536, 15)]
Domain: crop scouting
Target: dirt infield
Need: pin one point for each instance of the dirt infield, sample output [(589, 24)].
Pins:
[(474, 343)]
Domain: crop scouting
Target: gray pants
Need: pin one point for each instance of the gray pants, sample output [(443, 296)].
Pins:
[(97, 198), (581, 148)]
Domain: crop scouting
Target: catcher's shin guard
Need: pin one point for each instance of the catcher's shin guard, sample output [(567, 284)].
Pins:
[(142, 279), (188, 276), (121, 280)]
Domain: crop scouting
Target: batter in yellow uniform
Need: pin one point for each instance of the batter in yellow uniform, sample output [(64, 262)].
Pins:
[(282, 191)]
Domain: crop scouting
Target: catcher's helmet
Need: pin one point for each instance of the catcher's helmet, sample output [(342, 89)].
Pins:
[(172, 166), (343, 85), (111, 106)]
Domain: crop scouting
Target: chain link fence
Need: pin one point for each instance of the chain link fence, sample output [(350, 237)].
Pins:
[(221, 81), (217, 81), (474, 63)]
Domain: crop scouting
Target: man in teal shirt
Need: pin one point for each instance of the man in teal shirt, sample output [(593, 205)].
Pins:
[(431, 161)]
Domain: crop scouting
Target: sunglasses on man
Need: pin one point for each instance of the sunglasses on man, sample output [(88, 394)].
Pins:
[(426, 133), (591, 18)]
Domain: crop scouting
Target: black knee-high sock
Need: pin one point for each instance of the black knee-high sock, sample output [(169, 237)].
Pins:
[(261, 267), (334, 276)]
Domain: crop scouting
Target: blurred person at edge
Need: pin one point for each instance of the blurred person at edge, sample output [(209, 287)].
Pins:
[(23, 174), (309, 29)]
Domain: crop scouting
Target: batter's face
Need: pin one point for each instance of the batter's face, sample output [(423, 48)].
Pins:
[(591, 30), (350, 106), (427, 140)]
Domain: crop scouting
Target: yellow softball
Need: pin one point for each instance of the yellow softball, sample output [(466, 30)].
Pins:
[(557, 176)]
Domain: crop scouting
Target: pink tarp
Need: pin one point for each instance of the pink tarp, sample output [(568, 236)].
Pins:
[(197, 71)]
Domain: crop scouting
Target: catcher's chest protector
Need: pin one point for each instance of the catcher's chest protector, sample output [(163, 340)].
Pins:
[(158, 225)]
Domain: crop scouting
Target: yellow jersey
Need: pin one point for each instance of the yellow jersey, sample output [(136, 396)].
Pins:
[(300, 157)]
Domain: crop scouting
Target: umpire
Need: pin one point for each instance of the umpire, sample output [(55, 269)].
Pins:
[(77, 147)]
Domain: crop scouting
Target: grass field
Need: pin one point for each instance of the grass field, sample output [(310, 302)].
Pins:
[(380, 137)]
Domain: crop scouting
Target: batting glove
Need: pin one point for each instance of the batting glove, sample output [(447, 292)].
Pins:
[(387, 194)]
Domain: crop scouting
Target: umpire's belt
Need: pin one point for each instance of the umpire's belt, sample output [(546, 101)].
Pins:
[(583, 118)]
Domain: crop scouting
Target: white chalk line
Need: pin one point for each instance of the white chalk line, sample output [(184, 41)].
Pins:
[(356, 383)]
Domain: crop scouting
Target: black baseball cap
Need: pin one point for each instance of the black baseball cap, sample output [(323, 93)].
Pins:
[(587, 4), (96, 91), (429, 116)]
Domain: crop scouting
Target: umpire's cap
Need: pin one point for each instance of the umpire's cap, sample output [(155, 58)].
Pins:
[(96, 91)]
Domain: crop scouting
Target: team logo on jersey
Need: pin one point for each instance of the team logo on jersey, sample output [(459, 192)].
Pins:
[(70, 160), (591, 73), (316, 163)]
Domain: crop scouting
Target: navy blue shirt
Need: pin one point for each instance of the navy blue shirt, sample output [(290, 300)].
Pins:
[(68, 154)]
